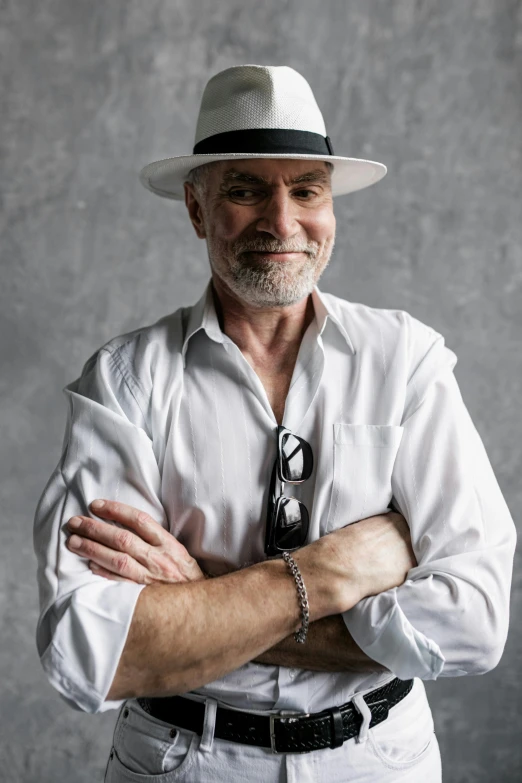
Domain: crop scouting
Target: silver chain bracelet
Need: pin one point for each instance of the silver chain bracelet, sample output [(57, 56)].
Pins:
[(300, 635)]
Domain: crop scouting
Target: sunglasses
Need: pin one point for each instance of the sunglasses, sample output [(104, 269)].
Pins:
[(287, 518)]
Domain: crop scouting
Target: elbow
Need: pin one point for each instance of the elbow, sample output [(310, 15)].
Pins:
[(480, 630), (80, 641), (79, 698), (479, 645), (55, 667), (485, 659), (487, 624)]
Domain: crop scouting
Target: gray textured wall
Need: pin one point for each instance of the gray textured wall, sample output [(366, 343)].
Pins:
[(93, 91)]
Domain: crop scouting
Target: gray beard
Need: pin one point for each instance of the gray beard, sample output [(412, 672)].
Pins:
[(269, 283)]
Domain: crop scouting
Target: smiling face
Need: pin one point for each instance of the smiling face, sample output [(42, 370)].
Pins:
[(269, 226)]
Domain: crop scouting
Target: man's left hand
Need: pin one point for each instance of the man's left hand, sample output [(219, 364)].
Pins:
[(142, 551)]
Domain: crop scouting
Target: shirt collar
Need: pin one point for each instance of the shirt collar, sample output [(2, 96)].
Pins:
[(324, 311), (203, 316)]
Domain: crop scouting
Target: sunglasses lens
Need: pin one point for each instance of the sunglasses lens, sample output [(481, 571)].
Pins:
[(296, 458), (292, 524)]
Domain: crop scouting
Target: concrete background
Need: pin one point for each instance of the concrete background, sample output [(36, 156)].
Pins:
[(94, 90)]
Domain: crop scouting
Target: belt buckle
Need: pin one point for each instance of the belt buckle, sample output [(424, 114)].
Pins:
[(287, 719)]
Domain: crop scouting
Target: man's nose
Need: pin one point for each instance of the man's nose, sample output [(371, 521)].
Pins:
[(279, 217)]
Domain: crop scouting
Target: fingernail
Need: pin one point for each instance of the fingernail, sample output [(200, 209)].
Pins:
[(97, 504), (74, 523), (74, 542)]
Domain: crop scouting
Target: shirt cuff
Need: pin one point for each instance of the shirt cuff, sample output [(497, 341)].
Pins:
[(381, 629), (82, 657)]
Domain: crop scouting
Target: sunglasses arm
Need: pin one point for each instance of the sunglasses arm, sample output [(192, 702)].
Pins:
[(272, 503)]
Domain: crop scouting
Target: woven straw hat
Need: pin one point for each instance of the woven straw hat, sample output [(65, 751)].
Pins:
[(258, 111)]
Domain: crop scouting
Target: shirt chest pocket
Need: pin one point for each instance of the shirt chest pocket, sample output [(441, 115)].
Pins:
[(363, 460)]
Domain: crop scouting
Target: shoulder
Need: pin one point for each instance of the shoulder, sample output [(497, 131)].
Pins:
[(367, 325), (128, 365), (139, 353), (398, 342)]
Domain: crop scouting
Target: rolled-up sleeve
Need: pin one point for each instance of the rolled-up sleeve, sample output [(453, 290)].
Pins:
[(450, 617), (107, 452)]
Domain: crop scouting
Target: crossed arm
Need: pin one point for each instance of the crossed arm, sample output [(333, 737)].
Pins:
[(144, 552), (329, 648)]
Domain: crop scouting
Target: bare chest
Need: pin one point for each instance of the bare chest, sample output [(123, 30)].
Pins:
[(275, 373), (276, 387)]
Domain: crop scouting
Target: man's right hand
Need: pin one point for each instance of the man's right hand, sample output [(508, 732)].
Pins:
[(142, 552), (361, 559)]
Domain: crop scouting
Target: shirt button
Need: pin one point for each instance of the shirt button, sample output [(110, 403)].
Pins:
[(292, 673)]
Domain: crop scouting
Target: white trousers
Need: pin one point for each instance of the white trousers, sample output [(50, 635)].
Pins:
[(402, 748)]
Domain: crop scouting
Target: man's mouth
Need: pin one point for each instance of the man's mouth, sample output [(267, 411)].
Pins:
[(281, 256)]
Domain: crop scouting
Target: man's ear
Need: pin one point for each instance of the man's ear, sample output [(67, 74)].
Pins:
[(194, 210)]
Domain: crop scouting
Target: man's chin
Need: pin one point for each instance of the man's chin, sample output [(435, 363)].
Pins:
[(269, 296), (260, 301), (270, 284)]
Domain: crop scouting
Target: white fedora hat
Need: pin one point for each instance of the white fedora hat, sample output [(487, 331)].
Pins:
[(258, 111)]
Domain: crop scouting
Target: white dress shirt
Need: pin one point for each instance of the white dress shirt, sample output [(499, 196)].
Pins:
[(172, 419)]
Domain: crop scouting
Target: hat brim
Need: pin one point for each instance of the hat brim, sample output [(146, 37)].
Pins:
[(165, 177)]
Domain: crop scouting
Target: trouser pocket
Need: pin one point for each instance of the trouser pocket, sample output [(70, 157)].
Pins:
[(407, 735), (147, 749)]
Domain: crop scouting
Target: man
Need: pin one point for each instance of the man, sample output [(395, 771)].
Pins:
[(257, 634)]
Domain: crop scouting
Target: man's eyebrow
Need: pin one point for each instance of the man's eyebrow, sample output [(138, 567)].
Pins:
[(232, 175), (316, 175)]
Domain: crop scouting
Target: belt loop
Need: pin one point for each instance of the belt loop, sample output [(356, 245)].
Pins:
[(209, 723), (363, 709), (336, 719)]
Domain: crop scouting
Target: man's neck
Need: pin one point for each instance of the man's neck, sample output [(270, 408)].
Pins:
[(262, 332)]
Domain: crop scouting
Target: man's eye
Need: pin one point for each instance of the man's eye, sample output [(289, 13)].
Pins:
[(305, 193), (243, 193)]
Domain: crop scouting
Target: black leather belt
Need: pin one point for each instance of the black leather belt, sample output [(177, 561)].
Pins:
[(282, 733)]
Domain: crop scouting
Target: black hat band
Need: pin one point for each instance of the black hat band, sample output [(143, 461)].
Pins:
[(265, 141)]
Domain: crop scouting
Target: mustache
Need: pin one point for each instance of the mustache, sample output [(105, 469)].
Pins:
[(260, 245)]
